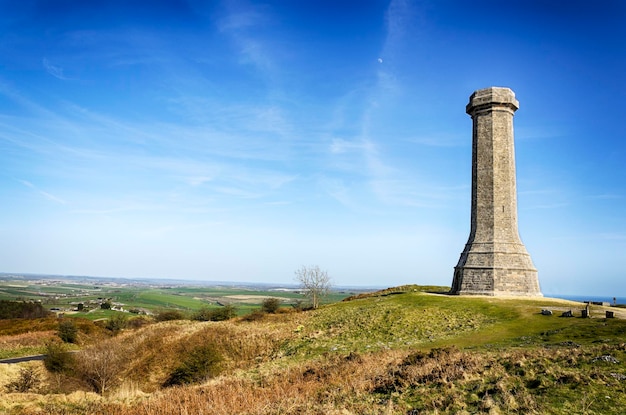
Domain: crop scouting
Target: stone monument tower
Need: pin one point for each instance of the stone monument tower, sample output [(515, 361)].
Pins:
[(494, 261)]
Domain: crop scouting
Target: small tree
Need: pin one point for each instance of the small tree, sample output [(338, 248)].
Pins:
[(68, 332), (116, 323), (315, 283), (270, 305), (57, 358), (101, 365)]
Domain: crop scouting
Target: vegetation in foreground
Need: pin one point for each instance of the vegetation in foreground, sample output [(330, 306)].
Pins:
[(398, 352)]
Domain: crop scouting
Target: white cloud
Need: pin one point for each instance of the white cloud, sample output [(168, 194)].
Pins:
[(54, 70)]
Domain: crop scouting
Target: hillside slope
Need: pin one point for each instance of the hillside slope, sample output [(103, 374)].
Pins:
[(394, 353)]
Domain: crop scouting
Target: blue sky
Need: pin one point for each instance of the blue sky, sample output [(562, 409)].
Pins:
[(240, 140)]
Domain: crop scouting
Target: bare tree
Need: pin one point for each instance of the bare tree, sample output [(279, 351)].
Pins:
[(101, 365), (315, 283)]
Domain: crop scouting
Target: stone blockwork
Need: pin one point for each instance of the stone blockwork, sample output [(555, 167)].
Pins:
[(494, 261)]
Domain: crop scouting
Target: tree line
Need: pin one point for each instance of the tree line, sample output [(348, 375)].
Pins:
[(22, 309)]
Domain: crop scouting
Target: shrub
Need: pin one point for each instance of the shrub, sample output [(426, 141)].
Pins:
[(27, 381), (256, 315), (215, 314), (137, 322), (200, 364), (116, 323), (169, 315), (224, 313), (101, 365), (68, 332), (57, 359), (270, 305), (204, 314)]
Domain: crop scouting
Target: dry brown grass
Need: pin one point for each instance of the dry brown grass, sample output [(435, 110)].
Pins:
[(10, 327), (340, 385), (33, 340)]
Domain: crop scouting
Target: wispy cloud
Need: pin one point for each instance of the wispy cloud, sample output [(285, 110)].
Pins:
[(360, 150), (54, 70), (46, 195), (240, 24)]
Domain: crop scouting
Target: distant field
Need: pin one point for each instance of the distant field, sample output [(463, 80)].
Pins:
[(65, 296)]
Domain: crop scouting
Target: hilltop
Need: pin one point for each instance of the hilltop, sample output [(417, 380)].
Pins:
[(407, 350)]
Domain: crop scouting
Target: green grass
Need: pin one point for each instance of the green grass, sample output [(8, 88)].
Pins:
[(419, 320), (22, 351), (159, 298), (96, 314)]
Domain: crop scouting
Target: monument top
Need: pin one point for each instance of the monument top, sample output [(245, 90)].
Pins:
[(489, 97)]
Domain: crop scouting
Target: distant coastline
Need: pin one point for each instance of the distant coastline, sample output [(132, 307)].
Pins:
[(600, 298)]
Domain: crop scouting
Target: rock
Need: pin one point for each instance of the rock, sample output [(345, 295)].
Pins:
[(605, 358)]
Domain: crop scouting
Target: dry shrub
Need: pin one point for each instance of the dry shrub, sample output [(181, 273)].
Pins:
[(313, 388), (254, 316), (28, 380), (100, 366), (138, 322)]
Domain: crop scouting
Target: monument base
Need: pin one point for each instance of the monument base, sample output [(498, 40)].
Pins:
[(496, 282), (496, 269)]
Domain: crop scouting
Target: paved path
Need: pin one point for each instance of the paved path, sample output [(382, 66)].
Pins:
[(23, 359)]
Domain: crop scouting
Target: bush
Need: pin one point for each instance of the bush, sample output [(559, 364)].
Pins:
[(215, 314), (57, 359), (68, 332), (200, 364), (169, 315), (116, 323), (100, 365), (137, 322), (256, 315), (204, 314), (270, 305), (27, 381)]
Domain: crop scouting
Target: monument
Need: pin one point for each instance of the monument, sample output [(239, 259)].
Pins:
[(494, 261)]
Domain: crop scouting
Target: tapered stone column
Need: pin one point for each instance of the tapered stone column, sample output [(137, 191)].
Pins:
[(494, 261)]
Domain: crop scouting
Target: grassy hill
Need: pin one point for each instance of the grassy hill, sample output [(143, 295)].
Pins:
[(399, 351)]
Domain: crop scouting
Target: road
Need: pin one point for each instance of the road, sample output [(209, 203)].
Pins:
[(23, 359)]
